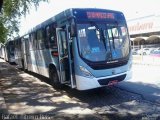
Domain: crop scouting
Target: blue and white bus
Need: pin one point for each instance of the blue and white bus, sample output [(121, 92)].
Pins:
[(2, 50), (82, 48), (9, 50)]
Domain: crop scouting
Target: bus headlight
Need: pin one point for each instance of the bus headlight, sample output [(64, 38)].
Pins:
[(85, 71)]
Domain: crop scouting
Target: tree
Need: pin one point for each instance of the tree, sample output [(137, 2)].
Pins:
[(12, 10), (1, 2)]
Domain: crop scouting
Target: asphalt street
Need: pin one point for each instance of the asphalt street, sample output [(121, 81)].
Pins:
[(145, 81)]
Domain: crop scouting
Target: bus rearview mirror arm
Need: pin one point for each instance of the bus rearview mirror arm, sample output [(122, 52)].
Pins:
[(72, 30)]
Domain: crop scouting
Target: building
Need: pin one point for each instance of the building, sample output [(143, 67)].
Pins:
[(145, 31)]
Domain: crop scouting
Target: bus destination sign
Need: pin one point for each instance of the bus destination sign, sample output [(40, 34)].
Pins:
[(100, 15)]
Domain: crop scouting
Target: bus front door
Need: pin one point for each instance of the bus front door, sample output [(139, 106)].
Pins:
[(64, 57)]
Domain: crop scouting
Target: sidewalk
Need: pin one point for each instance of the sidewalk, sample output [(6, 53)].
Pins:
[(22, 94), (3, 108)]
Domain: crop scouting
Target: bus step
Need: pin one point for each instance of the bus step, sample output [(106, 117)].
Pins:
[(69, 84), (65, 82)]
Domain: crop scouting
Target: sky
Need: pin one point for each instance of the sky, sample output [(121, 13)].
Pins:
[(130, 8)]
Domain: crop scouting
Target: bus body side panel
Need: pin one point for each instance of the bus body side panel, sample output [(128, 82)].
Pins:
[(2, 51), (43, 60), (39, 61), (18, 54), (32, 61), (17, 57), (46, 60)]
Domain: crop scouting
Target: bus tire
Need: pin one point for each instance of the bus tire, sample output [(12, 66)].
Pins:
[(23, 66), (54, 80)]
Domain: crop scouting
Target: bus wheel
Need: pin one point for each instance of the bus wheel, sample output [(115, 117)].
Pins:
[(23, 65), (54, 80)]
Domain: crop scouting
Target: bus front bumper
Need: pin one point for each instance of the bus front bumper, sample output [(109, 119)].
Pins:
[(85, 83)]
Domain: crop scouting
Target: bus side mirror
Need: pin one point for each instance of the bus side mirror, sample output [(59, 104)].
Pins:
[(72, 30)]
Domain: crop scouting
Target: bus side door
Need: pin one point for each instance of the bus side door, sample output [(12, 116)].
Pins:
[(64, 57)]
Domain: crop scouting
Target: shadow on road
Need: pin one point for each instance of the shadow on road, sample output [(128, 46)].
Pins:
[(26, 94), (149, 92), (106, 101)]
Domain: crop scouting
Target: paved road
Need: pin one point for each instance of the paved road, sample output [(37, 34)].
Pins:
[(145, 81), (28, 93)]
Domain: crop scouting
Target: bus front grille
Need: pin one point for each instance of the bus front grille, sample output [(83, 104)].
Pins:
[(107, 80)]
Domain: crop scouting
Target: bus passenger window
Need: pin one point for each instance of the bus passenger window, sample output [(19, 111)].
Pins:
[(51, 37), (40, 39), (47, 37), (53, 40), (32, 41)]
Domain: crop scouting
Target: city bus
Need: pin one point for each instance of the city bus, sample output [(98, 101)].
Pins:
[(82, 48), (18, 56), (2, 52), (9, 51)]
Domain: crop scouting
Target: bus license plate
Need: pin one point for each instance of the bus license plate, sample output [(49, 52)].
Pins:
[(113, 82)]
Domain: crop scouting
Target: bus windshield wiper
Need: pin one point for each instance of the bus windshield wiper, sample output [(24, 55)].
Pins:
[(109, 55), (103, 38), (113, 40)]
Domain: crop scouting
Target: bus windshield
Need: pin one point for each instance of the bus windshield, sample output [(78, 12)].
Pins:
[(103, 42)]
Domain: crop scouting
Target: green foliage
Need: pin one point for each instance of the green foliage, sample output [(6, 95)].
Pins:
[(3, 32), (12, 10)]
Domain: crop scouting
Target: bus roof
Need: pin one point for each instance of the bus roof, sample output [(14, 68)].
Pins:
[(89, 14), (82, 14)]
